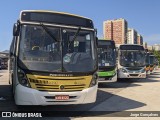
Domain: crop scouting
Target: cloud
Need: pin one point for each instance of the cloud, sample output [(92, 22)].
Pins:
[(152, 39)]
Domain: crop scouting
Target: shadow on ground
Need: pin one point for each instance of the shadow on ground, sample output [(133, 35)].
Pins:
[(117, 104), (122, 84), (137, 80), (152, 76), (145, 80), (111, 106)]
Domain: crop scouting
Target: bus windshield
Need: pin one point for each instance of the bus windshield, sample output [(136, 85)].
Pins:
[(147, 59), (132, 58), (106, 56), (152, 59), (40, 52)]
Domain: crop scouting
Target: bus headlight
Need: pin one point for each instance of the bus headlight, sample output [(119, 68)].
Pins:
[(22, 78), (94, 80), (123, 70)]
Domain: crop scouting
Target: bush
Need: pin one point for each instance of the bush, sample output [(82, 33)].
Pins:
[(157, 54)]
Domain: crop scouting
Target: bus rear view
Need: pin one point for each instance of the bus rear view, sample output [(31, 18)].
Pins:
[(131, 63)]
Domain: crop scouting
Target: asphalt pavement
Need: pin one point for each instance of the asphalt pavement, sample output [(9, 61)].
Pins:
[(113, 99)]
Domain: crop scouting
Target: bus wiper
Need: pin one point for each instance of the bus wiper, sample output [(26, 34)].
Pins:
[(76, 34), (48, 32), (74, 38)]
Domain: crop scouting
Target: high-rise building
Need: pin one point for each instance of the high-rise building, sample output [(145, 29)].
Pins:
[(131, 36), (116, 30), (139, 39), (145, 45), (150, 48), (156, 47)]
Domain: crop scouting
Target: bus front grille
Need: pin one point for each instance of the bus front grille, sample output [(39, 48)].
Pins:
[(57, 88), (65, 84), (136, 75)]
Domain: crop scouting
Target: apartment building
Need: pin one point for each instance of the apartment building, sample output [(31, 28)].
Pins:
[(116, 30), (156, 47), (145, 45), (132, 36), (139, 39)]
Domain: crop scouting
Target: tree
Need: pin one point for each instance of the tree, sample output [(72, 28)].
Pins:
[(157, 54)]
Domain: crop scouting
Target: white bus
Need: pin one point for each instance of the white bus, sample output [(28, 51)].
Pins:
[(131, 61), (152, 62), (156, 63), (147, 62), (53, 59)]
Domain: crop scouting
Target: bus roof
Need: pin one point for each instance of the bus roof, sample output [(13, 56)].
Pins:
[(49, 11), (130, 44), (131, 47), (53, 17), (106, 40), (103, 42)]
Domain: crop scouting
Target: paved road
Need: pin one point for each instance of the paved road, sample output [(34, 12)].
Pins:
[(118, 96), (105, 91), (141, 99)]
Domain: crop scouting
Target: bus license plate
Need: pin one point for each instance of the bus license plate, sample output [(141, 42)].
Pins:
[(62, 97)]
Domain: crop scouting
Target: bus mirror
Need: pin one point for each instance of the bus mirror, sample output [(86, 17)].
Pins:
[(16, 29), (95, 31), (97, 41)]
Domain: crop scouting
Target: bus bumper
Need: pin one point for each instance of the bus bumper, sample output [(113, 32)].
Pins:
[(29, 96), (131, 75), (110, 79)]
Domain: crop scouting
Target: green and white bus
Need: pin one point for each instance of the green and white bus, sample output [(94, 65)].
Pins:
[(107, 61)]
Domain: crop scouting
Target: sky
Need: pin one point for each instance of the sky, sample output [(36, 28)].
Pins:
[(142, 15)]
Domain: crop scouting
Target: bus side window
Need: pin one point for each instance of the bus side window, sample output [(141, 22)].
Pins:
[(12, 47)]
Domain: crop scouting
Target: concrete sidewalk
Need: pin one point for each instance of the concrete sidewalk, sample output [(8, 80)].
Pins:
[(3, 81), (144, 96), (4, 77)]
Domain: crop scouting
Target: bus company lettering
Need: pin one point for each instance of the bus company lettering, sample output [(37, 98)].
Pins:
[(61, 75)]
